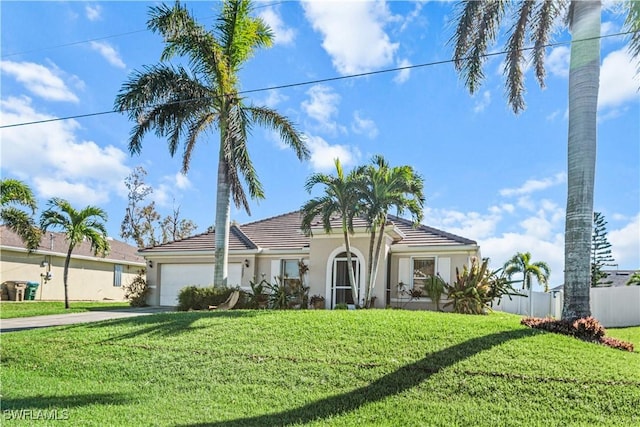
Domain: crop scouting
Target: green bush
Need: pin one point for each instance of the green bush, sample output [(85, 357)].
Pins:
[(136, 292), (196, 298), (475, 289), (341, 306)]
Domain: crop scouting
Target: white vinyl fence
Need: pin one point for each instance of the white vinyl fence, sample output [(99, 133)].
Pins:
[(613, 307)]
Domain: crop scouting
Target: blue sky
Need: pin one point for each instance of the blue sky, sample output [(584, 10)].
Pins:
[(489, 175)]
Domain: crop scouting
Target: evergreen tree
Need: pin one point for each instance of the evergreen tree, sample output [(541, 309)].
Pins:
[(600, 251)]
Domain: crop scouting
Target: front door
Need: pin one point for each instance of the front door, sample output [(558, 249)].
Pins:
[(341, 290)]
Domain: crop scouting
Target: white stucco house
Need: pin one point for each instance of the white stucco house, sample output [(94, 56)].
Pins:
[(274, 247)]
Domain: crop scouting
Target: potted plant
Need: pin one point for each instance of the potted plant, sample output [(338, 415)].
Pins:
[(317, 302)]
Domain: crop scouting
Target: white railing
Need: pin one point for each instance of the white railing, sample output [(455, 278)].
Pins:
[(613, 307)]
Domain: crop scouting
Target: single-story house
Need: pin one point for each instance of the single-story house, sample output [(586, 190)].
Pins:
[(614, 279), (274, 247), (91, 278)]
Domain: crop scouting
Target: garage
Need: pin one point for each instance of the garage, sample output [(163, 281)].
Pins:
[(174, 277)]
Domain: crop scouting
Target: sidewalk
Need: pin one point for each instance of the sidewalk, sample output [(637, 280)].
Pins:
[(24, 323)]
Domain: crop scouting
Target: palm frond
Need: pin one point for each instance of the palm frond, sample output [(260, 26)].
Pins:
[(544, 16), (515, 57), (632, 23), (271, 119), (16, 191), (240, 34)]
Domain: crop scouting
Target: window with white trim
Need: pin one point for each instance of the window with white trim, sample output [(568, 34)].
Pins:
[(290, 273), (423, 269), (117, 275)]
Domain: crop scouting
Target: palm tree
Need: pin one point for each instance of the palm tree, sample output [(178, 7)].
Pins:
[(382, 188), (78, 226), (341, 198), (184, 104), (521, 263), (477, 27), (15, 192)]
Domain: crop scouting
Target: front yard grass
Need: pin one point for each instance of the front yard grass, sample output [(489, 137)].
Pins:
[(342, 368), (13, 309)]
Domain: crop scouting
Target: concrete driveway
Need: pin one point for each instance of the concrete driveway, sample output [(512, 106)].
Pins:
[(23, 323)]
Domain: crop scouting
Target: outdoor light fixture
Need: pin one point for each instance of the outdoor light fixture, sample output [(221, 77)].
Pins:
[(44, 264)]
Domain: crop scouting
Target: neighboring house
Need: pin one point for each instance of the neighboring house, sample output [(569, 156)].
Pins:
[(274, 247), (91, 278), (616, 277)]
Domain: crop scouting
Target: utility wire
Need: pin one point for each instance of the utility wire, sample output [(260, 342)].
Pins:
[(324, 80), (128, 33)]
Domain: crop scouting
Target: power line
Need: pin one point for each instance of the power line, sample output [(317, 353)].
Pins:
[(128, 33), (324, 80)]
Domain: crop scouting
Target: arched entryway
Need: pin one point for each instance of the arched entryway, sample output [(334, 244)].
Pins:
[(339, 289)]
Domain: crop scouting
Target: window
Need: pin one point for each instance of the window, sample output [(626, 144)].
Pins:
[(117, 275), (423, 268), (290, 274)]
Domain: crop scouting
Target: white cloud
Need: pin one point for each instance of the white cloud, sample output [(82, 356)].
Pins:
[(282, 34), (363, 126), (353, 33), (403, 75), (483, 102), (323, 154), (625, 244), (619, 81), (472, 225), (39, 80), (274, 97), (322, 107), (109, 53), (51, 156), (534, 185), (558, 61), (94, 12), (182, 181)]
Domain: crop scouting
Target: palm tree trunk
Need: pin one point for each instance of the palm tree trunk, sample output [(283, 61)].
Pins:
[(65, 276), (376, 259), (223, 212), (584, 75), (372, 239), (352, 276)]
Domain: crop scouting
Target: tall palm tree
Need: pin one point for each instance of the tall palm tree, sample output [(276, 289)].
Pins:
[(341, 198), (382, 188), (184, 104), (78, 226), (521, 263), (477, 28), (14, 195)]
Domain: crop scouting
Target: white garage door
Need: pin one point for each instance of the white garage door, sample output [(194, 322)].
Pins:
[(174, 277)]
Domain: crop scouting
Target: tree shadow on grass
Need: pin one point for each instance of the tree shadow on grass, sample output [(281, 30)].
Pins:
[(63, 402), (167, 324), (403, 379)]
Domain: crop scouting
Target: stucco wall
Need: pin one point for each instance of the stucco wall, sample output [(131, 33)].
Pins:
[(89, 280)]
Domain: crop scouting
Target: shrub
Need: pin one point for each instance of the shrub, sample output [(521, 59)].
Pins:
[(136, 292), (475, 289), (196, 298), (341, 306), (586, 329)]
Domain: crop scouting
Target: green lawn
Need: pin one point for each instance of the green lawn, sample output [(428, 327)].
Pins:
[(343, 368), (11, 309)]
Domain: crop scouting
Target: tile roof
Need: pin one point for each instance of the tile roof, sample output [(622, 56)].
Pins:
[(283, 232), (53, 242), (617, 277), (205, 242), (423, 235)]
